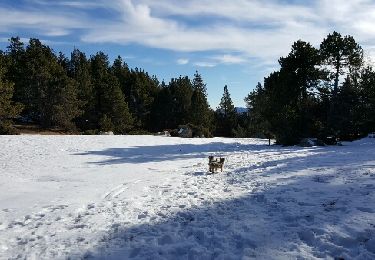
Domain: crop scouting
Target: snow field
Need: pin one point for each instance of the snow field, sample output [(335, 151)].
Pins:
[(151, 198)]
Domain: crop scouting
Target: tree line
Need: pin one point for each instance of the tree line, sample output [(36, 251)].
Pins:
[(90, 95), (317, 92)]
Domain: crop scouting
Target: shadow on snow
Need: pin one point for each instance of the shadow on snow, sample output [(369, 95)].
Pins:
[(160, 153), (291, 217)]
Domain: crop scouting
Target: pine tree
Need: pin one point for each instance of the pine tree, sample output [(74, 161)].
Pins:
[(140, 90), (38, 63), (162, 116), (181, 91), (344, 56), (257, 103), (63, 100), (79, 70), (109, 102), (16, 72), (226, 116), (367, 100), (50, 96), (8, 108), (199, 114), (302, 71), (348, 104)]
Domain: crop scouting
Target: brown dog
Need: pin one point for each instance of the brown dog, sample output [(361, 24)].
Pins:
[(214, 164)]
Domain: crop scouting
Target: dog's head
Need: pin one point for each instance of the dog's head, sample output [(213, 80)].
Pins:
[(210, 158)]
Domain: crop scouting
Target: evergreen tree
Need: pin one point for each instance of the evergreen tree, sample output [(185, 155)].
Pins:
[(226, 116), (342, 56), (281, 111), (302, 71), (79, 70), (257, 102), (39, 60), (284, 107), (140, 90), (16, 72), (63, 61), (64, 105), (199, 114), (367, 100), (49, 95), (181, 91), (110, 105), (348, 121), (8, 108), (162, 116)]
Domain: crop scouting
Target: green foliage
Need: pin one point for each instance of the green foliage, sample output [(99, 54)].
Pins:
[(48, 94), (366, 106), (109, 100), (199, 113), (105, 124), (298, 101), (161, 113), (226, 115), (79, 71), (200, 131), (16, 69), (240, 132), (305, 98), (8, 108), (343, 56), (7, 128)]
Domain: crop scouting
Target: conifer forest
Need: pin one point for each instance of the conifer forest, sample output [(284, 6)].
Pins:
[(318, 91)]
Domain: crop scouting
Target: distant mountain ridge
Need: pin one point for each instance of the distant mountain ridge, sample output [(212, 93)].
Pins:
[(241, 110)]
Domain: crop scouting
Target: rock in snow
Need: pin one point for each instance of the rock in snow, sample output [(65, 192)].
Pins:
[(144, 197)]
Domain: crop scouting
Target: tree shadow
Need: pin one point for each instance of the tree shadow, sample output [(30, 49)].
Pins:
[(320, 215), (261, 225), (318, 157), (160, 153)]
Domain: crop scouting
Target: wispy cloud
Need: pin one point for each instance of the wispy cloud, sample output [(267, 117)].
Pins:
[(263, 30), (216, 60), (230, 59), (182, 61), (204, 64)]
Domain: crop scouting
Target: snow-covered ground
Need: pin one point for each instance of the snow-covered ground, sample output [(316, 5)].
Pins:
[(143, 197)]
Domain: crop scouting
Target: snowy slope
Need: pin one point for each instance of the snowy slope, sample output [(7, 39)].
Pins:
[(142, 197)]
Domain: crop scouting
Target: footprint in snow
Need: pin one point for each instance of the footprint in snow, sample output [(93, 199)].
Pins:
[(14, 224), (143, 215), (53, 208)]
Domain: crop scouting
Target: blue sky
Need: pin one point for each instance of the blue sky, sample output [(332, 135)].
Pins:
[(235, 43)]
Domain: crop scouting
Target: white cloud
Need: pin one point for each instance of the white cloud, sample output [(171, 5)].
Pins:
[(149, 24), (182, 61), (204, 64), (221, 59), (260, 30), (46, 23), (230, 59)]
